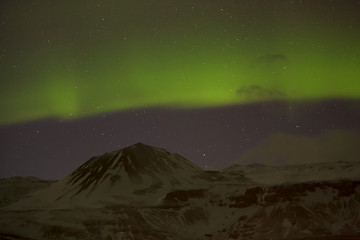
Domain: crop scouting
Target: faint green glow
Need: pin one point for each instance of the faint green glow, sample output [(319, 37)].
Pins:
[(183, 68), (61, 96)]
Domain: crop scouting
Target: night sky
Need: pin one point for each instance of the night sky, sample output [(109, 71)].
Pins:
[(216, 81)]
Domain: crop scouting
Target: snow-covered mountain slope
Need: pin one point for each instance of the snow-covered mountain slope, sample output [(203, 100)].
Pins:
[(312, 210), (14, 188), (298, 173), (111, 197)]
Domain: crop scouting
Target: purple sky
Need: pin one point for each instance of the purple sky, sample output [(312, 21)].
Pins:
[(211, 137)]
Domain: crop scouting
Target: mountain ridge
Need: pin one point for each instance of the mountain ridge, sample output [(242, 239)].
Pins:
[(155, 194)]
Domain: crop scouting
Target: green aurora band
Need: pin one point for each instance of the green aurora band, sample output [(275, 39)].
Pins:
[(119, 56)]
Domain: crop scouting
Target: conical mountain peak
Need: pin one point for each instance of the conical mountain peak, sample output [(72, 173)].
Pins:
[(140, 144), (140, 147), (138, 164)]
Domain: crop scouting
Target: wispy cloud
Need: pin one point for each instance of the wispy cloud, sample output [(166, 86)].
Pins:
[(257, 91)]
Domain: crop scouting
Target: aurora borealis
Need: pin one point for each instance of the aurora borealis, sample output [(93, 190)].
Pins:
[(66, 60), (212, 80)]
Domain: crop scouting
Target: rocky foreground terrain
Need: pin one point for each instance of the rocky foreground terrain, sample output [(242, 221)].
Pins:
[(143, 192)]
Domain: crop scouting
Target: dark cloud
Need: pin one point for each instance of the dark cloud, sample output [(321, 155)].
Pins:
[(259, 92), (284, 148), (270, 59)]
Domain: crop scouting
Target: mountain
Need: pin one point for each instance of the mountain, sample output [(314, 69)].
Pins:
[(14, 188), (120, 177), (265, 174), (143, 192)]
